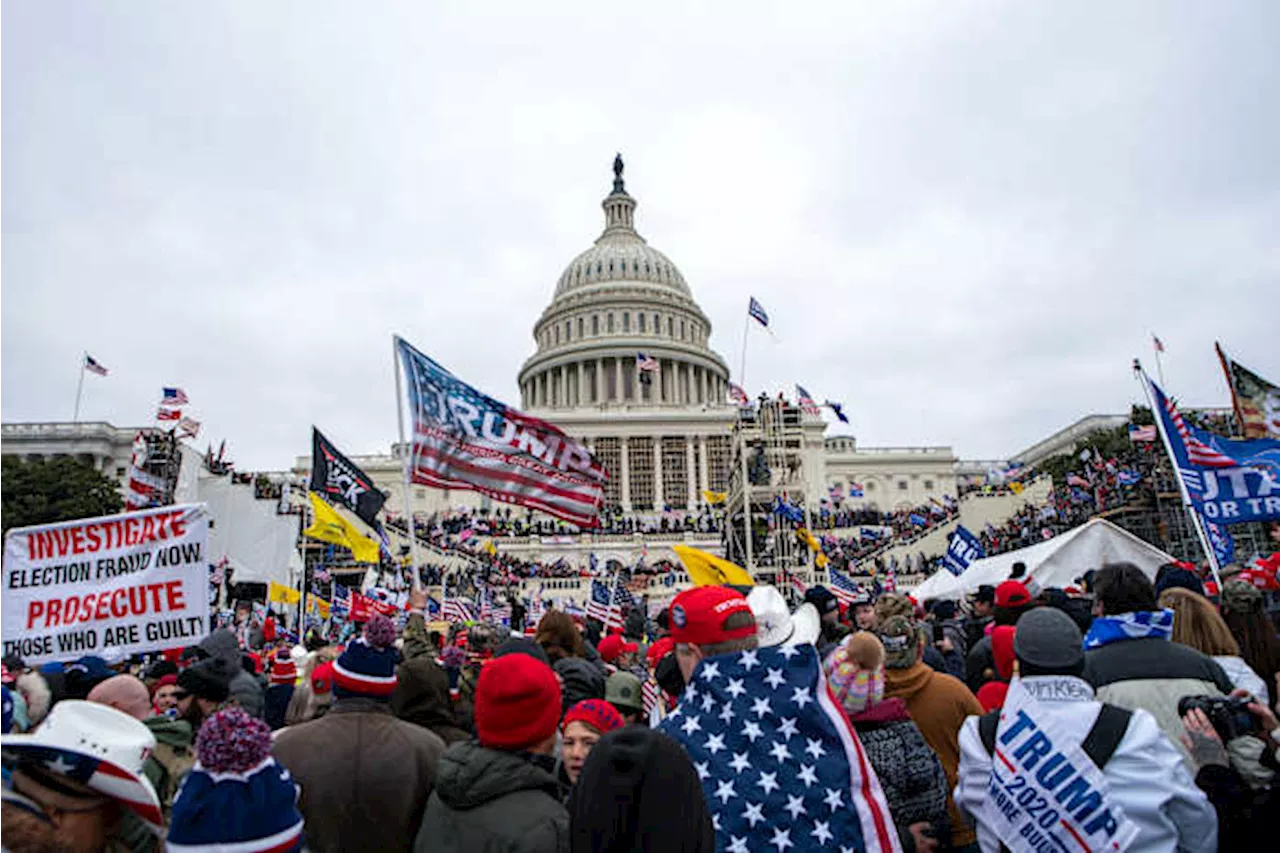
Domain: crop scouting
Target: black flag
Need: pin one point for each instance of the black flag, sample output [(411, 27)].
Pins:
[(339, 480)]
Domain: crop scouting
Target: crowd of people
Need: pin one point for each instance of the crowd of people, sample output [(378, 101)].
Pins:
[(726, 722)]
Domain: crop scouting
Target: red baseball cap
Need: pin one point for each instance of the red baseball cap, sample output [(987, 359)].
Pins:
[(659, 650), (612, 646), (698, 615), (1012, 594)]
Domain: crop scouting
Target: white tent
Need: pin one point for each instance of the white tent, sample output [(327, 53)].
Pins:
[(1055, 562)]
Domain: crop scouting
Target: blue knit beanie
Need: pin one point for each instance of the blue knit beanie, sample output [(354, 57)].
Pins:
[(367, 667), (236, 797)]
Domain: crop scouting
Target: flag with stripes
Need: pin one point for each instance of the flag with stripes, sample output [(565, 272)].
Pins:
[(1225, 479), (341, 605), (842, 586), (173, 397), (806, 401), (647, 363), (188, 427), (164, 414), (464, 439), (92, 365), (651, 695), (738, 396), (1142, 433), (603, 605), (756, 310), (459, 608)]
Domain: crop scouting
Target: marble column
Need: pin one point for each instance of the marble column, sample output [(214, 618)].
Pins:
[(690, 475), (599, 381), (658, 498), (580, 392), (564, 386), (618, 394), (704, 481), (624, 492)]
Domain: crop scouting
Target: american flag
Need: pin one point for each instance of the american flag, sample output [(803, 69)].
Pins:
[(855, 490), (1157, 343), (890, 579), (173, 397), (651, 695), (841, 586), (91, 364), (1142, 433), (806, 401), (1077, 480), (603, 605), (168, 414), (737, 395), (1197, 452), (341, 607), (188, 427), (756, 310), (464, 439), (647, 363), (780, 764), (491, 610), (459, 609), (798, 585)]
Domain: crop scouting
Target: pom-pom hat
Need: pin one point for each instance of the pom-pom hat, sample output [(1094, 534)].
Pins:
[(237, 798), (98, 747), (368, 666), (283, 669)]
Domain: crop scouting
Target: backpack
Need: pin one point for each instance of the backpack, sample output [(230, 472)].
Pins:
[(174, 762), (1099, 744)]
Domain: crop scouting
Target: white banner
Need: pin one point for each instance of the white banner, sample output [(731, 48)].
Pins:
[(1045, 792), (135, 582)]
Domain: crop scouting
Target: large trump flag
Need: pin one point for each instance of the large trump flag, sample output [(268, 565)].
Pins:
[(464, 439)]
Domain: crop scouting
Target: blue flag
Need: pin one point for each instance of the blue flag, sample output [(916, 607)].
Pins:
[(756, 310), (1224, 547), (962, 549), (1227, 480)]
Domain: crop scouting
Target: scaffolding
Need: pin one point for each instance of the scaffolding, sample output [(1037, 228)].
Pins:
[(767, 468)]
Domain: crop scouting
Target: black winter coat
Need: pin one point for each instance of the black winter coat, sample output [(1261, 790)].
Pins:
[(487, 801)]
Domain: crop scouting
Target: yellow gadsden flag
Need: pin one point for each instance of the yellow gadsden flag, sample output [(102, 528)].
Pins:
[(331, 527), (281, 594), (714, 498), (709, 570), (318, 606)]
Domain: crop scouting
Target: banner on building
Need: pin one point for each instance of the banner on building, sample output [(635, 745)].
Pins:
[(340, 481), (133, 582), (464, 439), (962, 549)]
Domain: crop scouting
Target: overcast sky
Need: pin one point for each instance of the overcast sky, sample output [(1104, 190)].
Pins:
[(965, 219)]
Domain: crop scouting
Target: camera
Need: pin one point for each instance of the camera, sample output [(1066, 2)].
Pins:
[(1228, 714)]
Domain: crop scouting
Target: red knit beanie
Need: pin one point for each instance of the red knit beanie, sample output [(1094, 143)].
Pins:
[(517, 703), (283, 669), (597, 713)]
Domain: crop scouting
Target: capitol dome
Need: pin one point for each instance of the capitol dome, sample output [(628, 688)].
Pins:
[(617, 301)]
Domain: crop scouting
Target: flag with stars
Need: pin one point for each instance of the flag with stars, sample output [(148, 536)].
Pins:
[(781, 766)]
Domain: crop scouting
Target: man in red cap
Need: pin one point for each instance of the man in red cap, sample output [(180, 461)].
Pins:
[(707, 621), (615, 649)]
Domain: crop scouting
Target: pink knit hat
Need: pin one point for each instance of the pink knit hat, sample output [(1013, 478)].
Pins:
[(855, 672)]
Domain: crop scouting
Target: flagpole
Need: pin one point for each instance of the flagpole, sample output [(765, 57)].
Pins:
[(75, 418), (405, 455), (742, 371), (1196, 521)]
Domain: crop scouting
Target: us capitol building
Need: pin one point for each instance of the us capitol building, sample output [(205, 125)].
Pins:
[(665, 436)]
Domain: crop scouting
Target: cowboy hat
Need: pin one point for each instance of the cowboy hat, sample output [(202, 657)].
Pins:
[(776, 625), (96, 746)]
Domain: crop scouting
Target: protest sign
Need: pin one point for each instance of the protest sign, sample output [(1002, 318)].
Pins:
[(133, 582), (1045, 793)]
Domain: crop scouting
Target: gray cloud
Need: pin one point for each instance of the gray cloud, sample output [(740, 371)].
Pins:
[(965, 219)]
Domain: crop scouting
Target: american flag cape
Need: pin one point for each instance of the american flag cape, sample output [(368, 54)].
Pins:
[(464, 439), (781, 766)]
